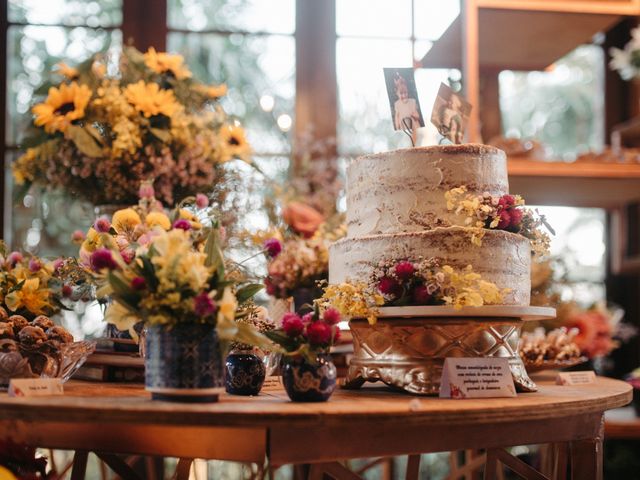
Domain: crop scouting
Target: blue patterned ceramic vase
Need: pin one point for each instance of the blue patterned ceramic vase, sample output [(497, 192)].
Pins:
[(306, 382), (244, 373), (183, 363)]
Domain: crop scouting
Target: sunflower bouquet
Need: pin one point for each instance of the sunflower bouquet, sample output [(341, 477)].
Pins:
[(104, 126)]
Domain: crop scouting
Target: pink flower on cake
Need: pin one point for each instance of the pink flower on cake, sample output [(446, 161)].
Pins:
[(505, 220), (516, 216), (389, 286), (404, 270), (421, 295)]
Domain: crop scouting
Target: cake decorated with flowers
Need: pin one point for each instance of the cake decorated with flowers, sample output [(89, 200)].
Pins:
[(423, 222)]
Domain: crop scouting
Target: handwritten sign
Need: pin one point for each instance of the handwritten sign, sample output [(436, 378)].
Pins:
[(576, 378), (476, 378), (35, 387)]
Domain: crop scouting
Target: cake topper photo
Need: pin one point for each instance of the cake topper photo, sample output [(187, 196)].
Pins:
[(450, 114), (403, 100)]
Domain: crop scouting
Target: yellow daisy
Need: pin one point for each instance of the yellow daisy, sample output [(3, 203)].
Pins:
[(162, 62), (62, 106), (150, 100), (67, 71), (158, 219), (125, 220), (234, 142)]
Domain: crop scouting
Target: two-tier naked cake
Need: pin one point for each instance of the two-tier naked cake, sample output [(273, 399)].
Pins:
[(397, 210)]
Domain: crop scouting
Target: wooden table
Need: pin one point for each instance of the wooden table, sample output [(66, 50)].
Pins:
[(354, 424)]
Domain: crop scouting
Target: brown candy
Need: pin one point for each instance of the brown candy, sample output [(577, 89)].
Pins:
[(59, 334), (6, 330), (18, 322), (43, 322), (8, 345), (31, 335), (3, 315)]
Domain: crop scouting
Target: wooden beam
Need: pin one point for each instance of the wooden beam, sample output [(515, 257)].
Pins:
[(316, 81), (471, 67), (144, 24), (489, 108)]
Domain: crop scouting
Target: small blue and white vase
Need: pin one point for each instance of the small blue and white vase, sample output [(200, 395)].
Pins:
[(309, 382), (183, 363), (244, 373)]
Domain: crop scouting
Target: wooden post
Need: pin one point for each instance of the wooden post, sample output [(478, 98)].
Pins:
[(144, 24), (489, 106), (471, 66), (316, 81)]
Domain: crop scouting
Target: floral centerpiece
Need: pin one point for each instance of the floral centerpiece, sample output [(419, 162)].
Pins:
[(308, 374), (105, 125), (404, 283), (500, 213), (176, 282)]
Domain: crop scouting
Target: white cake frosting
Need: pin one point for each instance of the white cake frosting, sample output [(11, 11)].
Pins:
[(403, 190), (396, 210)]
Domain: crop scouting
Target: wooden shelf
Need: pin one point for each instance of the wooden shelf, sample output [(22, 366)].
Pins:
[(581, 184), (518, 39)]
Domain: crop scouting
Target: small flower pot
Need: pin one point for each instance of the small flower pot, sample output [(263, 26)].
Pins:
[(244, 373), (183, 363), (306, 382)]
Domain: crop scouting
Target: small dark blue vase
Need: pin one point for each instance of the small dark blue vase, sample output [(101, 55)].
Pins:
[(183, 363), (244, 373), (306, 382)]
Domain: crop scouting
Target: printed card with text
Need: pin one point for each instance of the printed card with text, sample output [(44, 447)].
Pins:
[(476, 378), (35, 387), (576, 378), (450, 114)]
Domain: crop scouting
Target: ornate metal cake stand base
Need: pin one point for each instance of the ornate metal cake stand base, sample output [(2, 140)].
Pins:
[(409, 353)]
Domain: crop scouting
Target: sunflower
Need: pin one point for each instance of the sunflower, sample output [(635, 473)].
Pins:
[(62, 106), (234, 142), (161, 62), (67, 71), (149, 99)]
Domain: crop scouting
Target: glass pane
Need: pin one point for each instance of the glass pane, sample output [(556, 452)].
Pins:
[(432, 17), (227, 59), (374, 18), (33, 51), (563, 108), (365, 124), (102, 13), (273, 16)]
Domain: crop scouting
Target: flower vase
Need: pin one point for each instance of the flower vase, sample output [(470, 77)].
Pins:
[(244, 373), (309, 382), (303, 299), (183, 363)]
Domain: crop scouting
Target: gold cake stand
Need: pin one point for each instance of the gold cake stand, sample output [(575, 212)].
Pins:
[(407, 346)]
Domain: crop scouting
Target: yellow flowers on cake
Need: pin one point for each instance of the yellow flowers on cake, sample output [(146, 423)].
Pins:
[(99, 132), (62, 106), (466, 288)]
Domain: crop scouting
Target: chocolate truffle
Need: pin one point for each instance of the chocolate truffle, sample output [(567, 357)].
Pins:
[(59, 334), (8, 345), (31, 335), (43, 322), (6, 330), (3, 314), (18, 322)]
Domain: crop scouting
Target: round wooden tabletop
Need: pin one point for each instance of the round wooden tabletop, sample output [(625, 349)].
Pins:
[(94, 402)]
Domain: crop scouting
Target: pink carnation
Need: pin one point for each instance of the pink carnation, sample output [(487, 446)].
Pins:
[(202, 201), (102, 225), (331, 316), (101, 259), (420, 295), (404, 270), (14, 258), (319, 333), (389, 286), (507, 201), (505, 220), (307, 318), (516, 216), (182, 224), (34, 264), (272, 247), (292, 325), (67, 291)]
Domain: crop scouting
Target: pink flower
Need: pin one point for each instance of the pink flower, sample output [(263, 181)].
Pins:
[(307, 318), (146, 190), (270, 287), (420, 295), (202, 201), (302, 218), (57, 263), (204, 305), (507, 201), (34, 264), (127, 255), (272, 247), (505, 220), (138, 283), (389, 286), (67, 291), (319, 333), (182, 224), (77, 236), (14, 258), (102, 225), (292, 325), (101, 259), (516, 216), (331, 316), (404, 270)]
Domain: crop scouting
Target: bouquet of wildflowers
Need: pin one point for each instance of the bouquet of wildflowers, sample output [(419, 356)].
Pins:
[(103, 127), (308, 335)]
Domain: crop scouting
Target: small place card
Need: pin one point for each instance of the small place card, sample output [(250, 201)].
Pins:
[(576, 378), (272, 382), (476, 378), (35, 387)]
